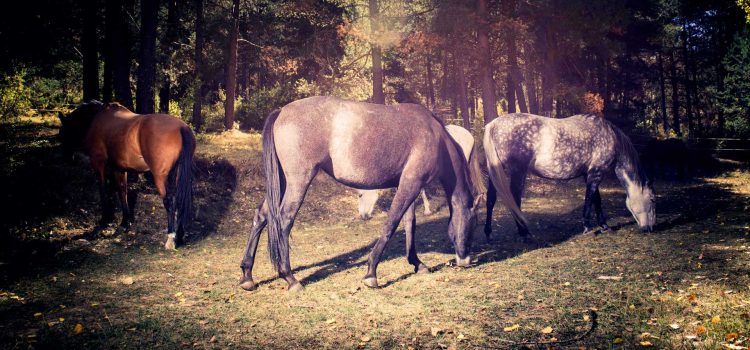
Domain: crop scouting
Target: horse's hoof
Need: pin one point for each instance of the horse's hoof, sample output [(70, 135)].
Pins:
[(170, 245), (422, 268), (371, 282), (605, 228), (295, 287), (248, 285), (365, 217)]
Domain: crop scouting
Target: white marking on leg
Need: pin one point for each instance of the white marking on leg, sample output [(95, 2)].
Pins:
[(170, 245)]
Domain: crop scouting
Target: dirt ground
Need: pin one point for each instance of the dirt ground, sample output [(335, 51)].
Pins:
[(685, 286)]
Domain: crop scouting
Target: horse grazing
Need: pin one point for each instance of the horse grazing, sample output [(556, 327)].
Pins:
[(464, 138), (364, 146), (119, 141), (562, 149)]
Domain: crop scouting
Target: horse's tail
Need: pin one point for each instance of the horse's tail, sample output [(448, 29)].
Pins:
[(476, 174), (184, 179), (274, 176), (501, 182)]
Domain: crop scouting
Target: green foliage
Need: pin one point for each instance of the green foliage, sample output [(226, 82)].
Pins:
[(737, 85), (15, 96), (252, 112)]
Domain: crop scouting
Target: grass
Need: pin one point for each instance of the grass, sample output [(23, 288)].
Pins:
[(690, 278)]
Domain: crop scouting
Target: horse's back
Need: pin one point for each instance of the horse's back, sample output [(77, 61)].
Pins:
[(357, 143)]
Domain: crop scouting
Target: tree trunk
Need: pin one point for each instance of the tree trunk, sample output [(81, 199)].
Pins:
[(168, 47), (144, 103), (489, 102), (377, 65), (120, 47), (90, 54), (531, 81), (688, 82), (231, 77), (463, 102), (675, 96), (109, 38), (444, 82), (197, 119), (549, 79), (430, 86), (662, 90)]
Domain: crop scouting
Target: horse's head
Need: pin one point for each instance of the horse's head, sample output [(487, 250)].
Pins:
[(75, 125), (641, 203)]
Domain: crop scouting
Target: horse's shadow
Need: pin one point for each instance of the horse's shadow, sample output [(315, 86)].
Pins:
[(549, 229)]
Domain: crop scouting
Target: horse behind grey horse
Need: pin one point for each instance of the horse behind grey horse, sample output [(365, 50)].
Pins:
[(562, 149), (464, 138), (364, 146)]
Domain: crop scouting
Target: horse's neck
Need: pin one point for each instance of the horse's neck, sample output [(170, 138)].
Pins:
[(455, 179), (627, 172)]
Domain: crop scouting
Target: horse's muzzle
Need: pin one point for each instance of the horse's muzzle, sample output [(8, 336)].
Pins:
[(465, 262)]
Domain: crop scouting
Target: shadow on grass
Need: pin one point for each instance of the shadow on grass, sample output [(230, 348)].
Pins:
[(50, 194)]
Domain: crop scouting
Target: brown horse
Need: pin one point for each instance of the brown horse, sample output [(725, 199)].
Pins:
[(364, 146), (119, 141)]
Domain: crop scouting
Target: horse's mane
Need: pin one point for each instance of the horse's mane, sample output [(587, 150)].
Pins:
[(627, 154), (472, 171)]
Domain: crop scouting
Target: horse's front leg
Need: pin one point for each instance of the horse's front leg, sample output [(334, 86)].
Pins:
[(410, 223), (121, 182), (592, 190), (406, 193), (491, 199), (108, 211), (259, 223), (600, 217)]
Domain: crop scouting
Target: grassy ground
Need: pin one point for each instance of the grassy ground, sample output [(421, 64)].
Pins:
[(685, 286)]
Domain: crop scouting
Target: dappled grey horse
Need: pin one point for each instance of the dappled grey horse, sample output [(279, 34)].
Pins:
[(368, 198), (561, 149), (364, 146)]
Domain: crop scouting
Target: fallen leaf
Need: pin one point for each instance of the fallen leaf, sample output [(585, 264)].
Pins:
[(178, 294), (38, 314), (715, 319), (511, 328), (547, 330), (646, 343), (674, 326), (700, 329), (78, 329), (461, 337), (127, 280), (617, 341), (613, 278), (212, 340), (730, 336), (365, 338), (331, 321)]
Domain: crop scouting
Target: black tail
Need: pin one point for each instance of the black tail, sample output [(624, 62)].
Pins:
[(502, 184), (183, 170), (273, 190)]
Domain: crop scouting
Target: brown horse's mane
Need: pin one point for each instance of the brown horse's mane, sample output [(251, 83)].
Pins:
[(117, 106)]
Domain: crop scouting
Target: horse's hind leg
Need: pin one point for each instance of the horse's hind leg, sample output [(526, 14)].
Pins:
[(407, 192), (410, 222), (294, 194), (491, 199), (517, 186), (259, 223), (168, 197)]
